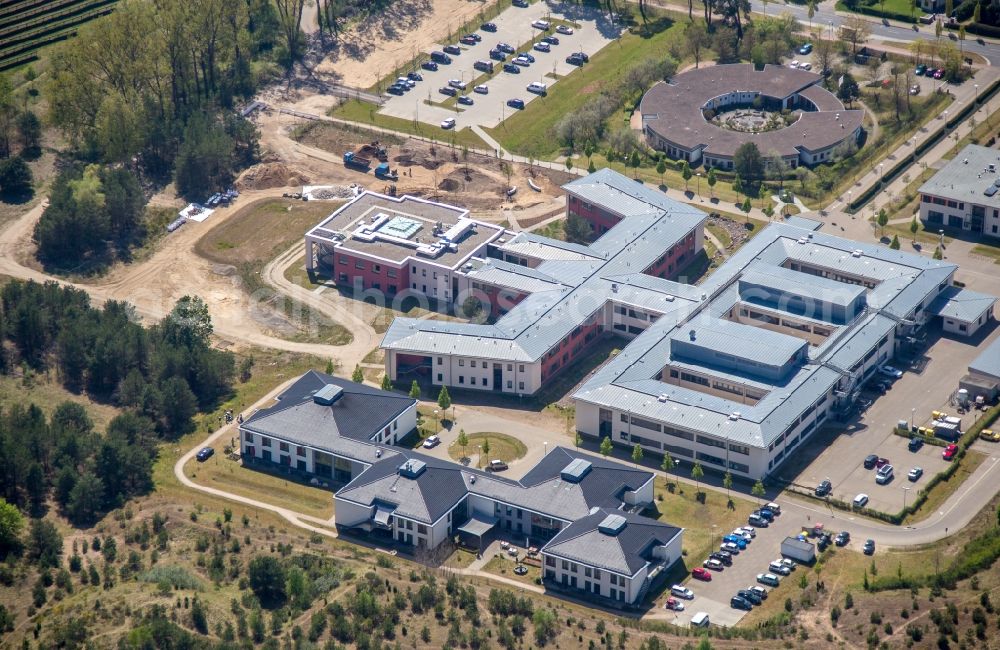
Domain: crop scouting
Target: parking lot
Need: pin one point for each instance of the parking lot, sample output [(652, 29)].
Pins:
[(713, 597), (838, 454), (513, 27)]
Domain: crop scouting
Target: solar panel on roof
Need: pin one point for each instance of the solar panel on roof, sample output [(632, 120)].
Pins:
[(612, 524)]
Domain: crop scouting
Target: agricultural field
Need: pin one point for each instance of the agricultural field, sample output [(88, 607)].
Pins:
[(29, 25)]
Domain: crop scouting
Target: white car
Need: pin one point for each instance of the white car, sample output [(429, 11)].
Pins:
[(431, 442), (794, 64), (884, 474), (861, 500), (541, 24), (448, 123), (739, 532), (729, 546), (563, 29), (889, 371), (455, 83), (713, 564), (805, 65), (750, 530), (682, 592), (915, 473), (542, 47), (774, 507), (788, 563), (779, 568), (481, 89)]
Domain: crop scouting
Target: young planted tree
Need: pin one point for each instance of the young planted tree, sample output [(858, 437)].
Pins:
[(637, 454), (712, 180), (444, 401), (486, 449), (746, 207), (914, 227), (329, 366), (386, 382), (462, 441), (661, 169), (697, 473), (414, 390), (686, 174), (606, 446), (894, 244), (882, 220), (667, 465), (758, 491), (358, 376), (938, 255), (577, 440), (727, 482)]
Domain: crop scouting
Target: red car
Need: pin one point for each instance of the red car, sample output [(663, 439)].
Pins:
[(701, 574), (949, 451), (881, 462)]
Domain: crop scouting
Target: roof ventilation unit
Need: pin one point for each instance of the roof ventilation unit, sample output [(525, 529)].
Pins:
[(576, 470), (734, 416), (412, 468), (662, 397), (856, 252), (327, 395), (669, 298), (692, 335), (612, 524)]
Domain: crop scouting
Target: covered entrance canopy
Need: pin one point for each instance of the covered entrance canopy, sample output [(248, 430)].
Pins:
[(382, 514), (477, 526)]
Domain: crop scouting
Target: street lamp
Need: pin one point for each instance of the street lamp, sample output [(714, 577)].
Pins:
[(436, 427), (905, 490), (699, 184), (880, 166), (976, 86), (545, 451), (941, 234), (479, 457), (913, 412)]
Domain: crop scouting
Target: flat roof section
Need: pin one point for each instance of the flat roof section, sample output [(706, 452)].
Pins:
[(961, 304), (396, 229), (988, 361), (726, 343), (967, 177), (796, 292)]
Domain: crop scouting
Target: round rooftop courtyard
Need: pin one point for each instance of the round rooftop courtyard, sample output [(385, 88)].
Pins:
[(704, 115)]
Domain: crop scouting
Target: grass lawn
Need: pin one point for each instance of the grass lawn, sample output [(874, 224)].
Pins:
[(924, 236), (366, 113), (502, 447), (503, 565), (530, 132), (47, 393), (460, 559), (704, 523), (721, 234), (987, 251), (553, 230), (902, 7)]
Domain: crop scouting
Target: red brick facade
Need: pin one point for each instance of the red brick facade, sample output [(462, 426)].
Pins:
[(569, 349), (675, 259), (357, 273), (599, 219)]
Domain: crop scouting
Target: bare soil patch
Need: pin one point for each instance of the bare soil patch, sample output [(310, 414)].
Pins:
[(268, 175)]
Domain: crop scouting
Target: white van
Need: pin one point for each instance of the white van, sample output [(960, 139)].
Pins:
[(700, 620), (537, 87)]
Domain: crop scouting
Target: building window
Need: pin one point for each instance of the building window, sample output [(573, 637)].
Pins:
[(421, 529), (550, 561), (461, 362), (473, 362), (520, 385), (587, 571), (248, 436), (301, 451), (440, 360), (520, 367), (565, 565), (472, 380), (439, 377), (391, 273), (358, 264), (282, 446), (265, 442), (622, 435), (510, 367), (461, 379)]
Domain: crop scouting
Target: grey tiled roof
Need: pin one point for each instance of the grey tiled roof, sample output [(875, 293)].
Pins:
[(624, 553), (340, 428)]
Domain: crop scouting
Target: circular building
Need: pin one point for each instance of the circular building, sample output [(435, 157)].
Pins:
[(704, 115)]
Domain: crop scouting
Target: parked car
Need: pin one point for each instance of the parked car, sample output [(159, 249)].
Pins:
[(511, 68), (465, 100), (519, 3), (824, 488), (891, 372), (575, 59), (758, 521), (725, 558), (551, 40), (481, 89), (527, 56), (725, 554), (395, 89), (915, 443), (768, 579), (455, 83), (521, 61), (920, 70), (730, 547), (506, 47), (939, 73), (488, 27), (749, 530), (429, 65), (498, 55), (842, 538), (204, 454), (674, 604), (774, 507), (452, 49), (870, 461), (736, 539), (766, 513), (760, 591), (949, 451), (752, 596), (432, 441), (869, 547), (538, 88), (881, 462), (861, 500), (779, 568), (806, 48), (915, 89), (805, 65), (496, 466), (467, 40), (701, 573), (543, 25), (563, 29), (542, 47), (915, 474), (739, 602), (682, 592), (447, 90), (884, 474), (791, 563), (516, 103), (742, 533), (713, 564), (448, 123), (990, 435)]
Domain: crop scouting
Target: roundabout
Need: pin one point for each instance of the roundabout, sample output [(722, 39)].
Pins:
[(704, 115)]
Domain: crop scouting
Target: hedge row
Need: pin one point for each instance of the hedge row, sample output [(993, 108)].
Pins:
[(980, 29), (930, 440), (976, 556), (873, 10)]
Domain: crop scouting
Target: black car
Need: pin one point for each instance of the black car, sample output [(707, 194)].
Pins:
[(915, 444), (506, 47), (511, 68), (498, 55), (488, 27), (429, 65), (842, 538), (467, 40), (869, 547), (447, 90), (465, 100), (204, 454), (726, 559), (824, 488), (870, 461), (515, 103), (414, 76), (758, 521), (551, 40), (823, 542), (519, 3), (749, 595), (739, 602), (452, 49)]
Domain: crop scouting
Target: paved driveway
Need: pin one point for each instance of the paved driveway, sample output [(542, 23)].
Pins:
[(513, 27), (927, 386)]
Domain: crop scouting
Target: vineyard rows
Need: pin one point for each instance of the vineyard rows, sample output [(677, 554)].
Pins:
[(28, 25)]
